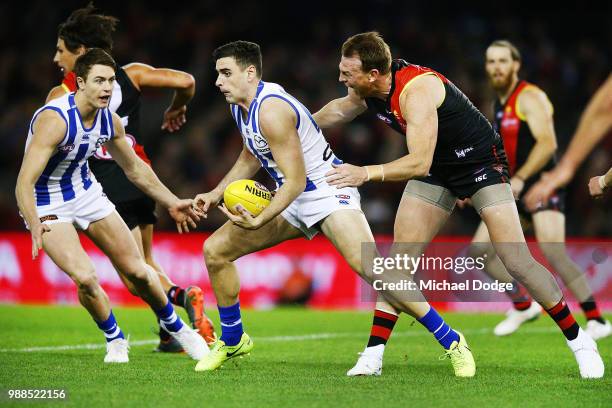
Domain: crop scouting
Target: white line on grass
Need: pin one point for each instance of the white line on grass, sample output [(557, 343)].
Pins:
[(270, 339)]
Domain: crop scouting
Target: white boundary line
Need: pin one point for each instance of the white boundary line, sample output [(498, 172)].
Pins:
[(273, 339)]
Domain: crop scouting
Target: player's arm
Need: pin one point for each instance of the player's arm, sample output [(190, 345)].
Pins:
[(55, 93), (277, 120), (146, 76), (341, 110), (418, 104), (143, 176), (538, 112), (48, 131), (246, 167), (594, 124)]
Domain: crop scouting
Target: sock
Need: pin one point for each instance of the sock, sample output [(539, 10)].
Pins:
[(441, 331), (163, 334), (110, 328), (591, 311), (521, 299), (564, 319), (169, 318), (177, 295), (382, 327), (231, 324)]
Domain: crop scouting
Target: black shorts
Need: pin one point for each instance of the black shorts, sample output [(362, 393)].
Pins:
[(471, 171), (137, 212), (556, 202)]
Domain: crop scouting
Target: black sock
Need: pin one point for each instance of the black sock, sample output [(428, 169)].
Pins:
[(176, 295)]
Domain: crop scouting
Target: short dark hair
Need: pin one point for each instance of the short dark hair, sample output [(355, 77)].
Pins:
[(371, 49), (87, 28), (93, 56), (514, 52), (244, 52)]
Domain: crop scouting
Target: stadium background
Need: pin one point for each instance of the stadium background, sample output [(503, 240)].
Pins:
[(566, 52)]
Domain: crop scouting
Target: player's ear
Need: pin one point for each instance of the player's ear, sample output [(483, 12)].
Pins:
[(373, 75), (80, 83), (81, 50), (252, 72)]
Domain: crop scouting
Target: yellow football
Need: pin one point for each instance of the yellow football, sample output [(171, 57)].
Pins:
[(249, 193)]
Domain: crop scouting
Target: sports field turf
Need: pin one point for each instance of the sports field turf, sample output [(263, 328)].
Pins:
[(300, 359)]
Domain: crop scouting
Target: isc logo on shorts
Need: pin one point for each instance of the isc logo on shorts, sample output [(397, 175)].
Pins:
[(480, 178)]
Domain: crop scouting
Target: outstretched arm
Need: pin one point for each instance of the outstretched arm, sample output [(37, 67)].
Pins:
[(341, 110), (419, 104), (139, 173), (246, 167), (146, 76), (48, 131), (595, 122)]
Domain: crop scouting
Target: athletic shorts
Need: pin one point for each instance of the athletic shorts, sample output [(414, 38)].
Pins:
[(556, 202), (137, 212), (310, 207), (89, 206)]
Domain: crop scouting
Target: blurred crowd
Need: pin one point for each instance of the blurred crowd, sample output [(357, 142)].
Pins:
[(567, 53)]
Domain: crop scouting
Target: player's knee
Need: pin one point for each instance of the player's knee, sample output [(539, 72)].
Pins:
[(87, 281), (480, 249), (214, 256), (135, 270), (520, 264)]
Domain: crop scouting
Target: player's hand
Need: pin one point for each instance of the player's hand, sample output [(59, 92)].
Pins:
[(595, 187), (466, 202), (517, 184), (244, 219), (346, 175), (205, 202), (184, 215), (37, 232), (540, 192), (174, 119)]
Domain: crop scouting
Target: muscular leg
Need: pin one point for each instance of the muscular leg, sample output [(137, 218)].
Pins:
[(507, 236), (62, 245), (549, 229), (146, 239), (348, 230), (112, 236), (229, 243)]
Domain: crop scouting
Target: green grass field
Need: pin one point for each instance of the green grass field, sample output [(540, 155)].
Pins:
[(300, 359)]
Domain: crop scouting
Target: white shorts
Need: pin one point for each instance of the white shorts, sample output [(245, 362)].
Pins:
[(310, 207), (89, 206)]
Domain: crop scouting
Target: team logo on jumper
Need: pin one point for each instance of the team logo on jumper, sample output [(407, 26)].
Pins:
[(343, 196), (260, 141), (462, 152), (66, 148), (383, 118), (101, 141), (86, 137), (499, 168), (344, 202)]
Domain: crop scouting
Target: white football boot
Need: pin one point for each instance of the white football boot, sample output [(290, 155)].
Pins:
[(598, 330), (193, 344), (587, 356), (369, 363), (515, 318), (117, 351)]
